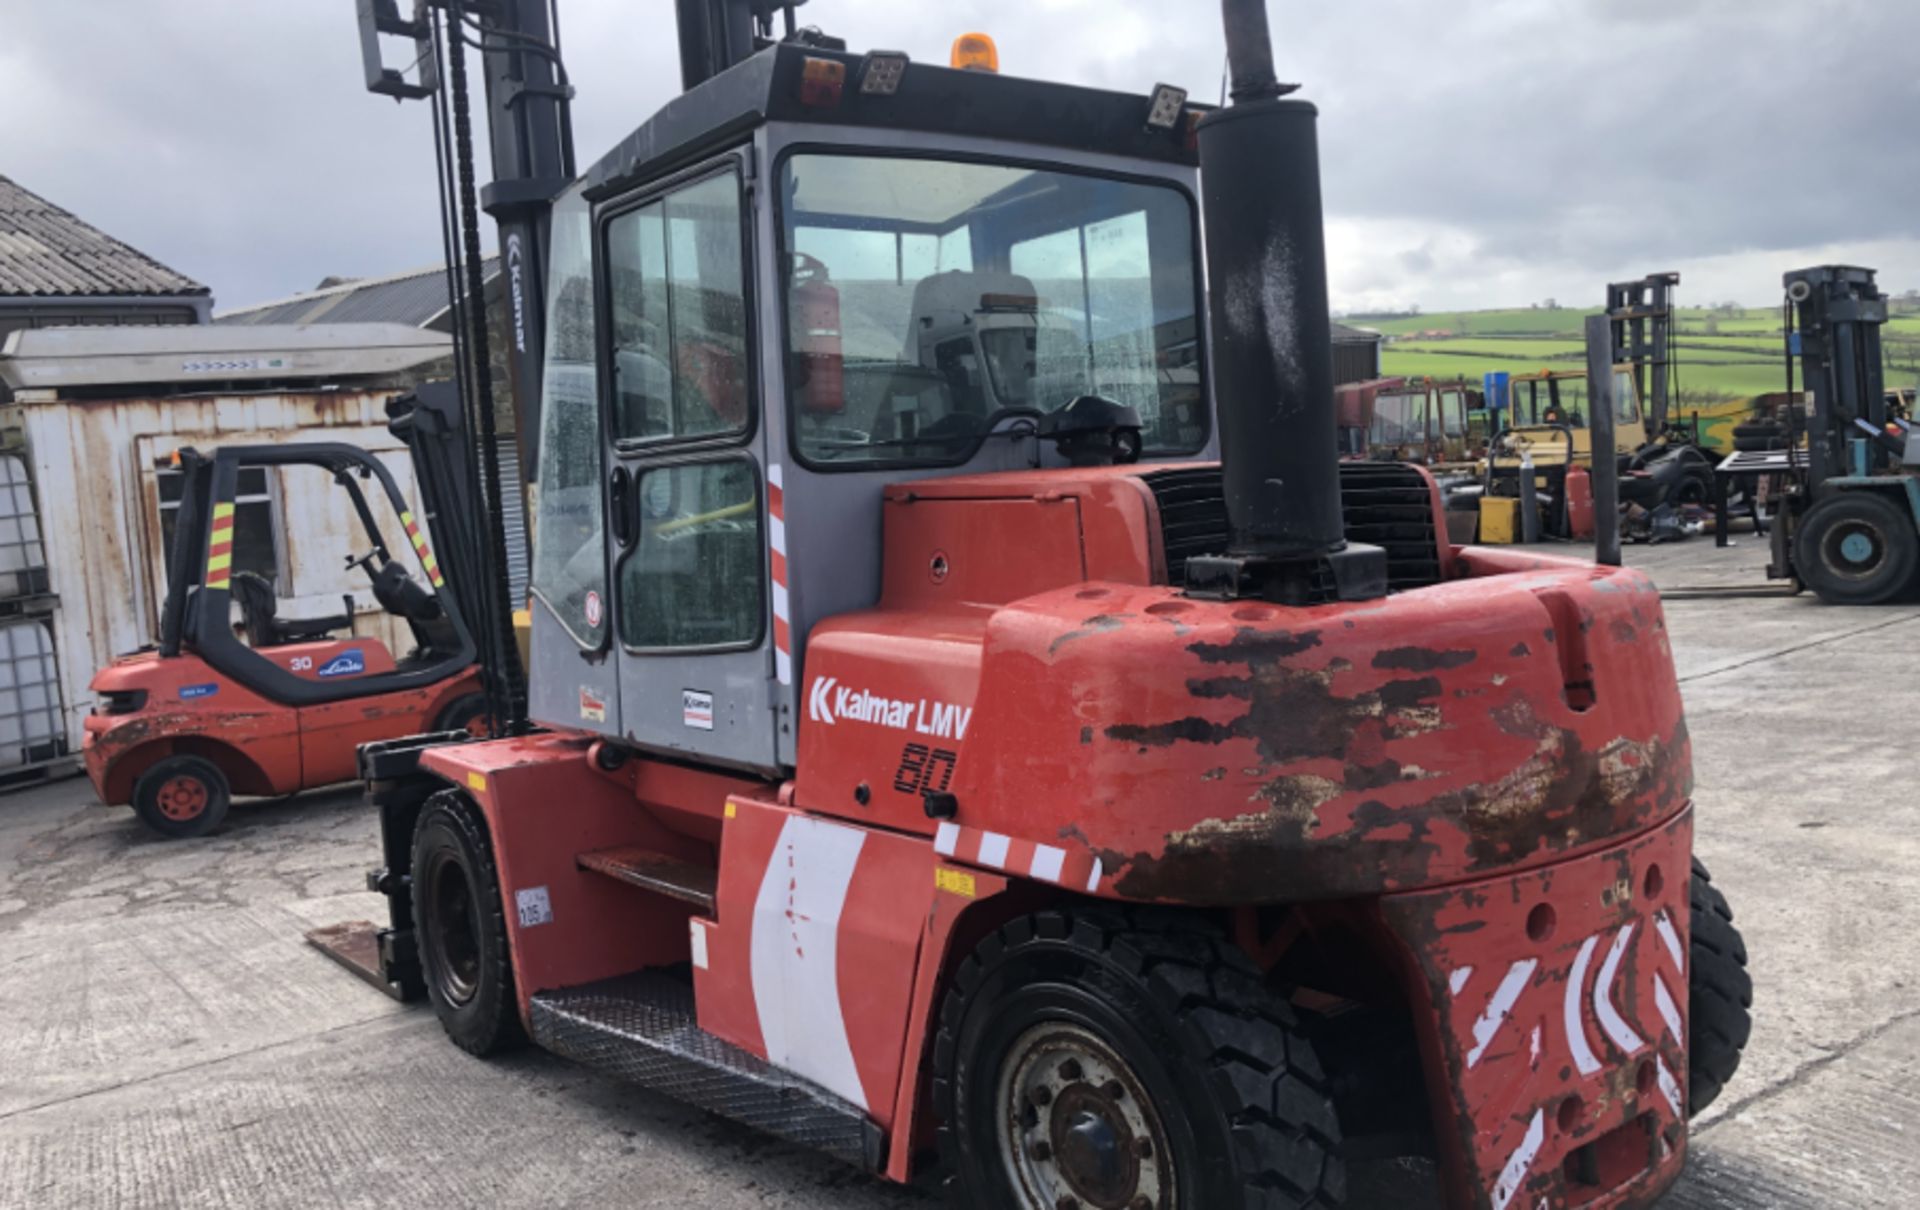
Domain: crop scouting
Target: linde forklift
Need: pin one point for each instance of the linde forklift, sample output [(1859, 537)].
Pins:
[(1039, 754)]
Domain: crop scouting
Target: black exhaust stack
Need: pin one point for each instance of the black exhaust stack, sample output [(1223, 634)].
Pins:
[(1271, 343)]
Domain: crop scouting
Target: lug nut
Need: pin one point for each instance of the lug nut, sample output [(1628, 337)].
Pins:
[(1040, 1150), (1070, 1070)]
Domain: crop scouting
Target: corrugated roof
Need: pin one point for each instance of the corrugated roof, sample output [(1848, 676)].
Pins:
[(1342, 334), (47, 252), (416, 298)]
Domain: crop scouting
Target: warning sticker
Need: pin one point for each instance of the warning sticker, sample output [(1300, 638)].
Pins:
[(534, 906), (592, 609), (593, 707), (696, 709)]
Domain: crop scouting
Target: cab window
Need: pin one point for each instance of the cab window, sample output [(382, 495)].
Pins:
[(927, 300), (694, 578), (676, 302), (569, 552)]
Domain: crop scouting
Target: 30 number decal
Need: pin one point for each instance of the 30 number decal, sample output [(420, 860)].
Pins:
[(924, 770), (300, 663)]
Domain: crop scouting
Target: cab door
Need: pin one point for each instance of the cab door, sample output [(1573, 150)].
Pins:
[(686, 485)]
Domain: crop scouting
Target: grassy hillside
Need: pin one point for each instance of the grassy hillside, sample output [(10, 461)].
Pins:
[(1721, 354)]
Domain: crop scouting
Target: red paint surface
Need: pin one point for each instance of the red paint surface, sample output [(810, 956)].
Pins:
[(263, 747), (545, 804), (1483, 1112)]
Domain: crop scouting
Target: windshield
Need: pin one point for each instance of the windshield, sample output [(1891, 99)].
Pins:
[(928, 298), (1399, 419)]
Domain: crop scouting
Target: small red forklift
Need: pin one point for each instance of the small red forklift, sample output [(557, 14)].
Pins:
[(1024, 743), (274, 705)]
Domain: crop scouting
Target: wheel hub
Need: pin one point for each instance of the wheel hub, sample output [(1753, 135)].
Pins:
[(1077, 1127), (182, 798), (1854, 549)]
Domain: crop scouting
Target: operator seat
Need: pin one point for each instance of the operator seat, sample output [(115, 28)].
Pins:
[(944, 306), (404, 597), (259, 607)]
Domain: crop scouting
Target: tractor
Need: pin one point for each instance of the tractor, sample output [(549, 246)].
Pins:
[(1094, 793)]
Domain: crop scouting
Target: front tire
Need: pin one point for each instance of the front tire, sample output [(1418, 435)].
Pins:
[(1098, 1059), (182, 796), (1719, 993), (1856, 549), (461, 928)]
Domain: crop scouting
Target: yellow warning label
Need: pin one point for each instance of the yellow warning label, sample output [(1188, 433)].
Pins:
[(953, 881), (477, 781), (732, 810)]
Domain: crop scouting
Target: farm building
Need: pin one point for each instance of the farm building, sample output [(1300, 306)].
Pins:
[(87, 504), (58, 271), (1356, 354)]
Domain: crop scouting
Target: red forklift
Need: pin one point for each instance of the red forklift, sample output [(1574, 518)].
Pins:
[(275, 705), (1041, 761)]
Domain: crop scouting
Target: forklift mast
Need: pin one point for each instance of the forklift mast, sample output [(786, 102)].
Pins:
[(1640, 319), (1834, 314)]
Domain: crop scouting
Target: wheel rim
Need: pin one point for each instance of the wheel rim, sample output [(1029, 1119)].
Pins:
[(1077, 1129), (453, 932), (182, 797), (1854, 549)]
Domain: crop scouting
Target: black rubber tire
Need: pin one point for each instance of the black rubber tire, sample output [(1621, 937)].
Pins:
[(1719, 993), (1759, 436), (1891, 529), (465, 961), (461, 712), (155, 786), (1695, 488), (1237, 1087)]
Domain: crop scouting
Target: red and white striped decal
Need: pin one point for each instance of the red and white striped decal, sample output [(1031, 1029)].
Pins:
[(777, 550), (1048, 863)]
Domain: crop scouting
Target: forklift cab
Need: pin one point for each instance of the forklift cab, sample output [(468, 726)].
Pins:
[(233, 618), (786, 295), (1547, 419)]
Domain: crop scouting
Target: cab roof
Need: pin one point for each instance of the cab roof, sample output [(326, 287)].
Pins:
[(931, 99)]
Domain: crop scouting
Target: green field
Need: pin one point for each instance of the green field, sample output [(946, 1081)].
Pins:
[(1721, 354)]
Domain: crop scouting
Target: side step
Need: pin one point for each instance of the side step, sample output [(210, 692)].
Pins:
[(642, 1028), (655, 871)]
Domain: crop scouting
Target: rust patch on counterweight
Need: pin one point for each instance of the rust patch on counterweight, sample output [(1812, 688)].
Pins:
[(1568, 791)]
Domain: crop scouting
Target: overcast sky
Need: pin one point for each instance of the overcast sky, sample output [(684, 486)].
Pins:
[(1475, 152)]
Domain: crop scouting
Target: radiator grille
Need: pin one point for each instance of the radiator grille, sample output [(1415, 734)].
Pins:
[(1385, 504)]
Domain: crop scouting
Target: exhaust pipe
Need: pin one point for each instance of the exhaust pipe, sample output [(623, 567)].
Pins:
[(1270, 343)]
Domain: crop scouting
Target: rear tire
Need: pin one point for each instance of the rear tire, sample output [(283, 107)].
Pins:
[(1856, 549), (461, 929), (468, 713), (1092, 1057), (1719, 994), (182, 796)]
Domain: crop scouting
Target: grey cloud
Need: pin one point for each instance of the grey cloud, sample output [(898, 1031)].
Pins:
[(1566, 140)]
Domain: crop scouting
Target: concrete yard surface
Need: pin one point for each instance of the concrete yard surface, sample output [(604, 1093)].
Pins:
[(169, 1038)]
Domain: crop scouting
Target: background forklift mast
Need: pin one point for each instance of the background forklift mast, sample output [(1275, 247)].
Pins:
[(1025, 830)]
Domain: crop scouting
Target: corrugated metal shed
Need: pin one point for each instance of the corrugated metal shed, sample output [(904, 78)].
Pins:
[(46, 252), (417, 298)]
